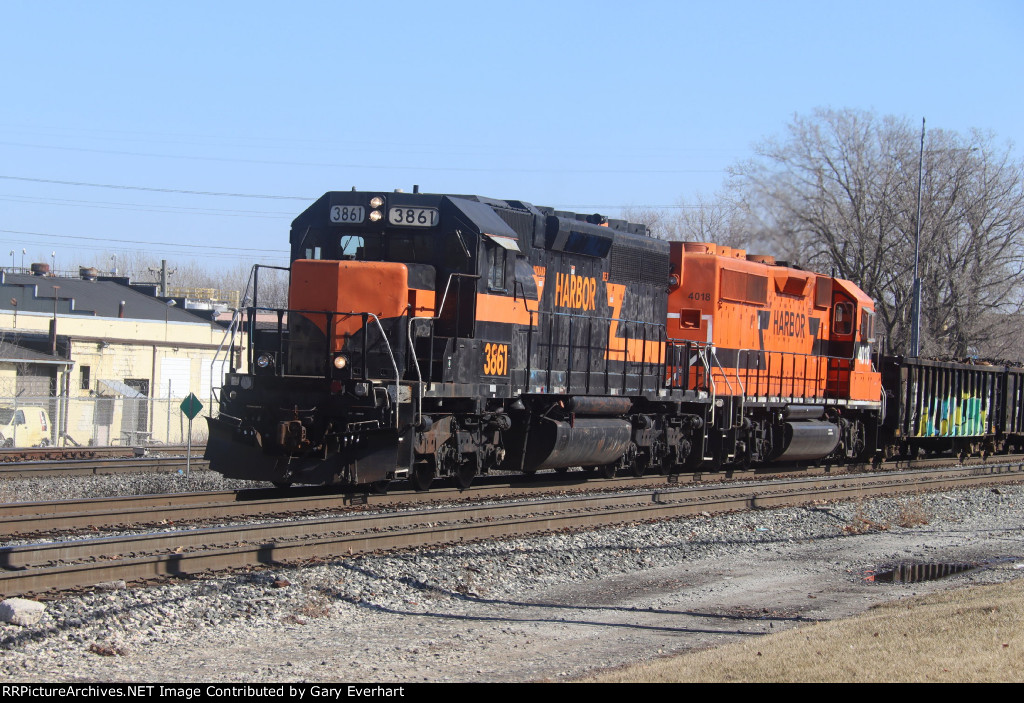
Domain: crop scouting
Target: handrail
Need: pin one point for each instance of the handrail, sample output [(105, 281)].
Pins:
[(576, 331), (229, 334), (412, 344), (812, 382), (394, 363)]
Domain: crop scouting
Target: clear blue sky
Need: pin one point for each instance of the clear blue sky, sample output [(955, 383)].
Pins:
[(587, 105)]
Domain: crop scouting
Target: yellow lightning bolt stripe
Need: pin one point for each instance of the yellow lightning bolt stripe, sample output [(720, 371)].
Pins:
[(652, 352)]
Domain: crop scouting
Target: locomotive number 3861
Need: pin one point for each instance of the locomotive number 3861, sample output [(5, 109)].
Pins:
[(495, 359)]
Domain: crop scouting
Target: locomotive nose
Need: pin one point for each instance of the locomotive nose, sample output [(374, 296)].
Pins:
[(344, 318), (349, 289)]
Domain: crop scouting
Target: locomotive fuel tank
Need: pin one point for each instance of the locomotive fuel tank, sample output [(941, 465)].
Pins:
[(808, 440), (556, 444)]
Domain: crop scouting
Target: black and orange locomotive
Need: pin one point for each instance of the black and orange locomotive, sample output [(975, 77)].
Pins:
[(436, 335)]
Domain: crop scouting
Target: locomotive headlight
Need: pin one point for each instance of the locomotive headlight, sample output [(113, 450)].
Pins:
[(340, 361), (376, 202), (265, 360), (375, 216)]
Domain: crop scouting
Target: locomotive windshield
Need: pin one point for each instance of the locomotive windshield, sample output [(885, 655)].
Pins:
[(403, 246)]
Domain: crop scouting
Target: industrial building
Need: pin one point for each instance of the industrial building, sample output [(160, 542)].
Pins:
[(107, 362)]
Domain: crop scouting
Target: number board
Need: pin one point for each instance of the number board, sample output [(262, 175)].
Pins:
[(348, 214), (495, 359), (413, 216)]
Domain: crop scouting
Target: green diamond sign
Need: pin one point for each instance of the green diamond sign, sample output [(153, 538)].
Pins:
[(191, 406)]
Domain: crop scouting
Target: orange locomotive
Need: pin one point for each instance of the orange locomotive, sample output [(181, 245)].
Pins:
[(434, 336), (787, 351)]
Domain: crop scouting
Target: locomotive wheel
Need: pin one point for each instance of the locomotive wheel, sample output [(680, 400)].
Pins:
[(607, 470), (422, 476)]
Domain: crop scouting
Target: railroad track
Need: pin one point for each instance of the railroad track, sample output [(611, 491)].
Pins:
[(57, 517), (74, 516), (37, 568), (16, 454), (100, 466)]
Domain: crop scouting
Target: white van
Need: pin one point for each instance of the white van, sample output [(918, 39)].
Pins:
[(27, 426)]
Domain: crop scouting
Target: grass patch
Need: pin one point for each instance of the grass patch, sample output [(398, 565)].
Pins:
[(965, 635)]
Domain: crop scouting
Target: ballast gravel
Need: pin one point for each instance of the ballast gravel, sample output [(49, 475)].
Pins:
[(119, 484), (542, 608)]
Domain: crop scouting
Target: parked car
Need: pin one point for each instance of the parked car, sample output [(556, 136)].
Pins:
[(27, 426)]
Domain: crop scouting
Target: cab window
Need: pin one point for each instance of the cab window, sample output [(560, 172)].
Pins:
[(351, 247), (495, 267), (843, 319), (867, 326)]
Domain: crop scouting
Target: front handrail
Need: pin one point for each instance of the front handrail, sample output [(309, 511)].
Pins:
[(431, 319), (331, 316), (228, 339)]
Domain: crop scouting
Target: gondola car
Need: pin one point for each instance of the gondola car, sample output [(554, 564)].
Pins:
[(945, 407)]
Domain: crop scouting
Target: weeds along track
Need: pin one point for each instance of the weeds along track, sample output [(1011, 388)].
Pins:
[(73, 563)]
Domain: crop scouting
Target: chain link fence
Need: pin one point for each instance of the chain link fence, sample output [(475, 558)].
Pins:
[(98, 421)]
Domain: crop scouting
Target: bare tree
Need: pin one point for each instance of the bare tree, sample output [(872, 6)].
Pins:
[(838, 194), (716, 219), (662, 223), (719, 219)]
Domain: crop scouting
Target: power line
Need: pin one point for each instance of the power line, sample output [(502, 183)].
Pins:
[(378, 167), (108, 240), (133, 207), (157, 190), (284, 197)]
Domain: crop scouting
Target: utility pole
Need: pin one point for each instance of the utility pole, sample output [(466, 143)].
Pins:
[(53, 323), (915, 310), (164, 273)]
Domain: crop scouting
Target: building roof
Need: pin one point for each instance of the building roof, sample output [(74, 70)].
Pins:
[(118, 388), (12, 353), (77, 296)]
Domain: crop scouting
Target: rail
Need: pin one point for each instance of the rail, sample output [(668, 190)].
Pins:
[(37, 567)]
